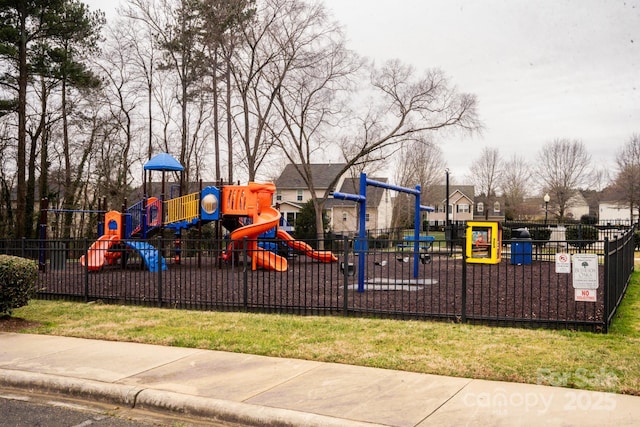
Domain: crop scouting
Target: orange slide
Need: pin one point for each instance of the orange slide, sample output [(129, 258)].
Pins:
[(98, 252), (264, 217), (322, 256)]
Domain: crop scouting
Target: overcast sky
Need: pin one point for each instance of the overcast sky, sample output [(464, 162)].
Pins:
[(541, 69)]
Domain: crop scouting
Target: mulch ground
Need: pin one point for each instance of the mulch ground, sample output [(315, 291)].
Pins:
[(15, 324), (501, 293)]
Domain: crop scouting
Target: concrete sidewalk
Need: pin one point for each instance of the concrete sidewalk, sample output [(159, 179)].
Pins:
[(257, 390)]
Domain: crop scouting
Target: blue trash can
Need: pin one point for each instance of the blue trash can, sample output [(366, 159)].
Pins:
[(521, 247)]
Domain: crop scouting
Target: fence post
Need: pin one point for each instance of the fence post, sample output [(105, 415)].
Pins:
[(345, 275), (463, 318), (606, 285), (160, 253), (245, 275), (86, 269)]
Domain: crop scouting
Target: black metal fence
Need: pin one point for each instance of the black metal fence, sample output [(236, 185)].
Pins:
[(524, 289)]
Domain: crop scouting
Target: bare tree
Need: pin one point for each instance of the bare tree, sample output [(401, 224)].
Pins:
[(515, 183), (319, 67), (420, 162), (627, 182), (222, 24), (261, 61), (408, 108), (175, 26), (141, 59), (125, 84), (563, 166), (485, 174)]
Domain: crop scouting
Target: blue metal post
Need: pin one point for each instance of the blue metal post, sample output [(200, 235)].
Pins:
[(416, 233), (361, 240), (362, 231)]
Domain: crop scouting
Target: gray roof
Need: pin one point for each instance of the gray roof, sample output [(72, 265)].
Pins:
[(323, 174), (352, 186), (436, 194)]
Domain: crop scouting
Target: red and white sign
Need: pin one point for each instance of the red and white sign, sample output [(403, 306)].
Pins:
[(563, 263), (586, 295)]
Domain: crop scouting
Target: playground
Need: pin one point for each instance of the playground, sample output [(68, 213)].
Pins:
[(245, 211), (260, 267)]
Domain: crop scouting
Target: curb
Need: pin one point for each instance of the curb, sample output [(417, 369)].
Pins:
[(123, 395), (169, 402)]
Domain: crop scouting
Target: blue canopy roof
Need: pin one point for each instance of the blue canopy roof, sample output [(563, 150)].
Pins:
[(163, 162)]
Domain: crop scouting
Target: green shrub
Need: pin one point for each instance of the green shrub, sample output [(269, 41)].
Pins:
[(17, 282), (541, 235), (506, 233), (380, 242), (636, 240), (581, 236), (588, 219)]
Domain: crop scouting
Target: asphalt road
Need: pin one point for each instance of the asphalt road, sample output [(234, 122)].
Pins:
[(19, 409)]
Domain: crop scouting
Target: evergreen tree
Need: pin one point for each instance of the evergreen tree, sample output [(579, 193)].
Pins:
[(29, 30), (306, 224)]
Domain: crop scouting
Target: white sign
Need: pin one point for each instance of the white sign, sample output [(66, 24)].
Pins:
[(563, 263), (585, 271), (587, 295)]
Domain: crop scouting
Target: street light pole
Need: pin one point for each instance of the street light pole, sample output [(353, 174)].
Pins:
[(447, 226), (546, 207)]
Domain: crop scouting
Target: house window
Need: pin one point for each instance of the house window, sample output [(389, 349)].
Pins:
[(496, 207), (299, 197), (366, 217), (279, 195), (480, 207), (291, 218), (463, 208)]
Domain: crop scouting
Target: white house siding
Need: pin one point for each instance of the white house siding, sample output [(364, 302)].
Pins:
[(614, 212)]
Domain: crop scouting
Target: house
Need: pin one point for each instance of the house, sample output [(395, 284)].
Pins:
[(577, 206), (489, 208), (615, 212), (292, 191), (461, 203), (344, 216)]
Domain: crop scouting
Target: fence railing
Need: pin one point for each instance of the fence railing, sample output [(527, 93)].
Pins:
[(524, 289)]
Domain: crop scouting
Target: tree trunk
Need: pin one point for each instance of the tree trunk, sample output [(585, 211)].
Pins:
[(229, 121), (216, 124), (44, 147), (319, 222), (69, 201), (23, 78)]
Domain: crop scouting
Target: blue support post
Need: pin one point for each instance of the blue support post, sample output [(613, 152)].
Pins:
[(362, 231), (416, 233), (361, 240)]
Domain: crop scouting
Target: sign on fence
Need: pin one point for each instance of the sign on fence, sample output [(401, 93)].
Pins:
[(587, 295), (585, 277), (563, 263)]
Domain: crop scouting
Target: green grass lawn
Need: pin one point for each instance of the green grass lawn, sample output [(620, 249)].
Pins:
[(585, 360)]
